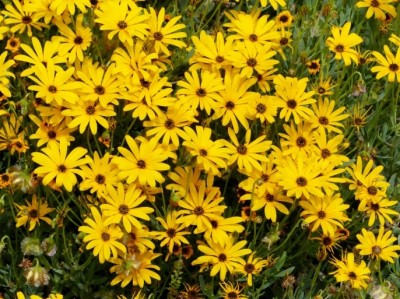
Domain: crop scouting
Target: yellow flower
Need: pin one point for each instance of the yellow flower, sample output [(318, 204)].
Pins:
[(223, 258), (88, 113), (284, 19), (379, 8), (293, 98), (327, 212), (136, 268), (73, 44), (298, 141), (55, 85), (388, 66), (100, 175), (141, 163), (167, 35), (273, 3), (210, 155), (169, 126), (348, 270), (380, 247), (48, 133), (378, 209), (173, 234), (342, 43), (248, 155), (220, 227), (228, 291), (251, 57), (102, 238), (201, 91), (264, 108), (326, 118), (13, 44), (60, 6), (123, 207), (252, 266), (199, 208), (128, 20), (56, 164), (33, 213), (20, 19)]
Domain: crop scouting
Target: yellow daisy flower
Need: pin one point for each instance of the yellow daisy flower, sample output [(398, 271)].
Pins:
[(348, 270), (33, 213), (103, 239), (378, 8), (378, 209), (56, 164), (388, 66), (380, 247)]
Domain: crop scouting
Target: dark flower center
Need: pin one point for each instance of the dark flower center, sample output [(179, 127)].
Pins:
[(372, 190), (51, 134), (251, 62), (33, 213), (321, 214), (13, 43), (323, 120), (265, 177), (339, 48), (242, 149), (284, 41), (222, 257), (352, 275), (158, 36), (100, 179), (78, 40), (232, 295), (141, 164), (269, 198), (214, 223), (321, 90), (171, 232), (376, 250), (52, 89), (105, 237), (393, 67), (375, 3), (230, 105), (301, 181), (100, 90), (26, 19), (90, 110), (301, 142), (62, 168), (291, 104), (375, 207), (253, 38), (169, 124), (144, 83), (122, 25), (203, 152), (123, 209), (327, 241), (201, 92), (284, 19), (313, 66), (261, 108), (219, 59), (325, 153), (198, 211), (5, 177), (249, 268)]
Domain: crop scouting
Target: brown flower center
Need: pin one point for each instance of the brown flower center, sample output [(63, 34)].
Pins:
[(376, 250), (219, 59), (291, 104), (230, 105), (26, 19), (352, 275), (321, 214), (90, 110), (301, 142), (51, 134), (78, 40), (198, 211), (144, 83), (100, 179), (269, 198), (313, 66), (325, 153), (327, 241), (171, 232), (123, 209), (105, 237), (33, 213), (52, 89), (249, 268), (393, 67), (62, 168), (265, 177), (100, 90), (321, 90), (261, 108), (214, 223), (339, 48), (323, 120), (242, 149), (375, 207), (201, 92), (141, 164), (372, 190), (5, 177), (158, 36), (203, 152), (284, 41), (253, 37), (375, 3), (232, 295), (222, 257), (122, 25), (169, 124), (251, 62), (301, 181)]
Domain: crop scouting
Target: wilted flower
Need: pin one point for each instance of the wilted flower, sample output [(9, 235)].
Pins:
[(36, 276), (31, 246)]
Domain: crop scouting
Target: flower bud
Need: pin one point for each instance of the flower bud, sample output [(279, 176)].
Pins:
[(31, 246), (36, 276), (49, 246)]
